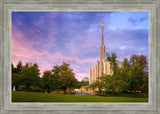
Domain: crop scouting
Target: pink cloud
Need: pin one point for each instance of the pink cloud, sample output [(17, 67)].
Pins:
[(24, 51), (80, 76)]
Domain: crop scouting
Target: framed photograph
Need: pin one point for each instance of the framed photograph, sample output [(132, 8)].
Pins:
[(80, 56)]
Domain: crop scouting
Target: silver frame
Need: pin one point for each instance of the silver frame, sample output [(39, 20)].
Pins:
[(152, 6)]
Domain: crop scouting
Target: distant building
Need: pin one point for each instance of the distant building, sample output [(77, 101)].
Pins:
[(103, 66)]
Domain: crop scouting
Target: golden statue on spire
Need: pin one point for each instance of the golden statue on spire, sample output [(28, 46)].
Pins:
[(102, 23)]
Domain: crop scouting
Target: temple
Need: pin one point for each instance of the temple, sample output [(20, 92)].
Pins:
[(102, 66)]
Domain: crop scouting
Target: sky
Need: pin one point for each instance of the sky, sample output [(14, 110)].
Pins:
[(49, 38)]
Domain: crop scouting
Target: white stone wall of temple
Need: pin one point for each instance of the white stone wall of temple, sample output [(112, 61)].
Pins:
[(105, 67), (97, 68), (100, 69), (96, 71), (93, 74), (89, 75)]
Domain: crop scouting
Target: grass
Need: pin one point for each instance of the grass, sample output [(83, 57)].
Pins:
[(131, 94), (49, 97)]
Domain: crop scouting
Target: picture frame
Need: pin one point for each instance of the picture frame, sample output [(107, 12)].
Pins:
[(7, 6)]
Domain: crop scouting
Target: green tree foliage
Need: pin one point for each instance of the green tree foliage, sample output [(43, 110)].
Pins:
[(13, 80), (66, 77), (55, 82), (116, 82), (19, 66), (124, 75), (16, 80), (15, 76), (63, 77), (85, 79), (29, 75), (27, 78), (97, 84), (138, 77), (112, 59), (93, 86), (106, 80), (84, 82), (46, 78), (13, 69), (131, 76)]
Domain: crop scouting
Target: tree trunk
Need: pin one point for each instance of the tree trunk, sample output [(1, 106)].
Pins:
[(121, 92), (114, 91), (64, 90), (99, 91), (27, 88), (135, 93)]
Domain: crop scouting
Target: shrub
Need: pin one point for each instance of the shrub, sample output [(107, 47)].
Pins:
[(72, 92), (22, 88), (36, 89)]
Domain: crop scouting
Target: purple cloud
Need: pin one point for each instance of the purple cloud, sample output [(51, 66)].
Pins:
[(49, 38)]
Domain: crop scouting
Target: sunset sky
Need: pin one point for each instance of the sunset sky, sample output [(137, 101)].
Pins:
[(49, 38)]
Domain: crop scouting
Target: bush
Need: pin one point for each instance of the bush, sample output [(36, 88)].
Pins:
[(22, 88), (36, 89), (72, 92)]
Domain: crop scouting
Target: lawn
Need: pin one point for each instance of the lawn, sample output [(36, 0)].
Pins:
[(49, 97)]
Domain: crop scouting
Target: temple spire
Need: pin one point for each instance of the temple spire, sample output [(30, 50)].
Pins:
[(102, 35), (102, 47)]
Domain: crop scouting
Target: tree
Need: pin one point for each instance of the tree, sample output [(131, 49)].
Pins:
[(15, 76), (46, 78), (106, 80), (29, 75), (124, 74), (85, 79), (13, 71), (84, 82), (13, 68), (97, 84), (138, 75), (112, 59), (132, 75), (55, 83), (65, 76), (16, 80), (19, 66), (115, 84), (140, 60), (144, 87), (93, 86)]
